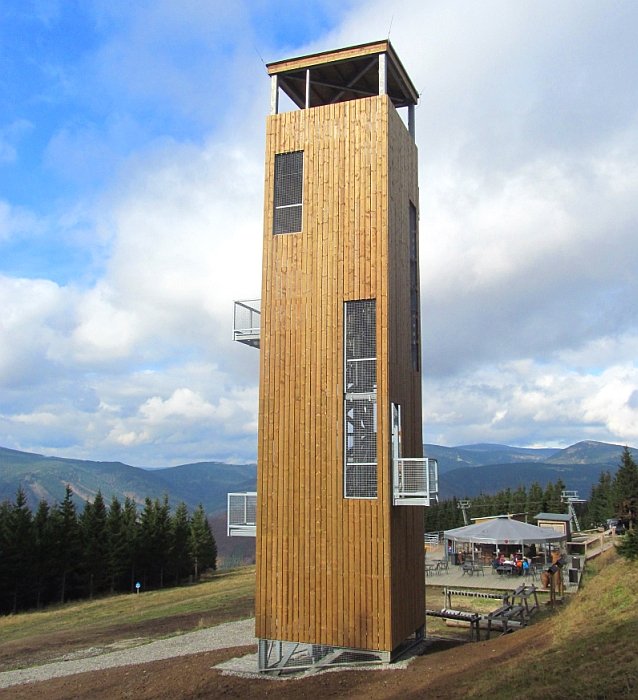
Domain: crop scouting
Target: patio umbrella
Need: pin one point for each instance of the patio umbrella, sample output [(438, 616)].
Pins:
[(503, 530)]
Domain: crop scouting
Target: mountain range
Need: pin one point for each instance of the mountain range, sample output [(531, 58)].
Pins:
[(466, 470)]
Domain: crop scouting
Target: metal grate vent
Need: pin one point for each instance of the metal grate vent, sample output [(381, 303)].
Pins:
[(360, 401), (242, 514), (288, 192)]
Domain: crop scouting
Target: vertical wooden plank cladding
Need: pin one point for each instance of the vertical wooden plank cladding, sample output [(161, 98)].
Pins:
[(408, 593), (330, 570)]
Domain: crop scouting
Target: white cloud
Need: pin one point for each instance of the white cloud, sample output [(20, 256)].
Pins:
[(10, 136), (183, 403), (16, 221), (527, 133)]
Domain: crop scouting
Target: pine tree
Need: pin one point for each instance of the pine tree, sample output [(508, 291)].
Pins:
[(625, 489), (43, 552), (163, 544), (601, 501), (117, 560), (518, 500), (133, 538), (67, 545), (18, 553), (181, 561), (155, 533), (202, 543), (628, 547), (5, 509), (535, 500), (94, 545)]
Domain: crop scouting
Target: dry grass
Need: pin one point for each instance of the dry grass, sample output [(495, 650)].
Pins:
[(228, 595), (591, 642)]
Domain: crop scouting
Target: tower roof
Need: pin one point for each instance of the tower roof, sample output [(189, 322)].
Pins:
[(344, 74)]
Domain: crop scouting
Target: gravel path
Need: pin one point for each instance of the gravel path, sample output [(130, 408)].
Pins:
[(230, 634)]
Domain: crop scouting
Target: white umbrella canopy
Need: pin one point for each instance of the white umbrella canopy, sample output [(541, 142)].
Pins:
[(503, 531)]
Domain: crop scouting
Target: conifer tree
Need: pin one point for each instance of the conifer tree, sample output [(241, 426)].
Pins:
[(202, 543), (154, 540), (67, 545), (181, 562), (132, 530), (117, 560), (535, 502), (43, 552), (5, 508), (628, 547), (94, 545), (18, 552), (600, 506), (625, 489)]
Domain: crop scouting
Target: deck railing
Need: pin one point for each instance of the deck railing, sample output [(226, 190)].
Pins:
[(416, 481), (247, 322), (241, 516)]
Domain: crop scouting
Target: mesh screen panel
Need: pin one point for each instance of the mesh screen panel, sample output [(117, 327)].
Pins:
[(288, 192), (287, 220), (242, 509), (360, 407)]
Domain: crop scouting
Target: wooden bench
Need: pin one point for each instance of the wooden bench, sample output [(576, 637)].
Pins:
[(503, 616), (472, 618), (522, 595)]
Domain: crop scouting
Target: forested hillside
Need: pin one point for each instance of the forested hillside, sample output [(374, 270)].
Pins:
[(55, 553), (614, 495)]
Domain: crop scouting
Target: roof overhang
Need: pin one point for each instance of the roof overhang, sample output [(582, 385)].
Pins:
[(344, 74)]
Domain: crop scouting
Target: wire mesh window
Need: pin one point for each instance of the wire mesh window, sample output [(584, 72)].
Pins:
[(360, 401), (415, 319), (288, 192)]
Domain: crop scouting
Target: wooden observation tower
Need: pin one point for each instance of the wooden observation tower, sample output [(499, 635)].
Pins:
[(339, 557)]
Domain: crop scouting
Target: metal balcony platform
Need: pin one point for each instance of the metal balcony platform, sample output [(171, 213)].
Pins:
[(247, 322), (241, 516), (415, 481)]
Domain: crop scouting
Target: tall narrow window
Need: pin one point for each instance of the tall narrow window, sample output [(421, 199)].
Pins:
[(360, 400), (415, 317), (288, 192)]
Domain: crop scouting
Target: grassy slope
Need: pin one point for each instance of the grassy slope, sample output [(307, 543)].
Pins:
[(588, 648), (591, 651), (229, 595)]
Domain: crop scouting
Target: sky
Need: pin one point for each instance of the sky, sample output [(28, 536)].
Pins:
[(131, 196)]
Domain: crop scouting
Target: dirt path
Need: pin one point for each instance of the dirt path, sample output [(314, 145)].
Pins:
[(230, 634), (181, 667)]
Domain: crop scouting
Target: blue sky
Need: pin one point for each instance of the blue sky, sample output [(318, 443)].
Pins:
[(131, 170)]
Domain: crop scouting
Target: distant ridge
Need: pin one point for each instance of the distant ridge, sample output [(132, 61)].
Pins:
[(472, 469), (466, 470), (46, 478)]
